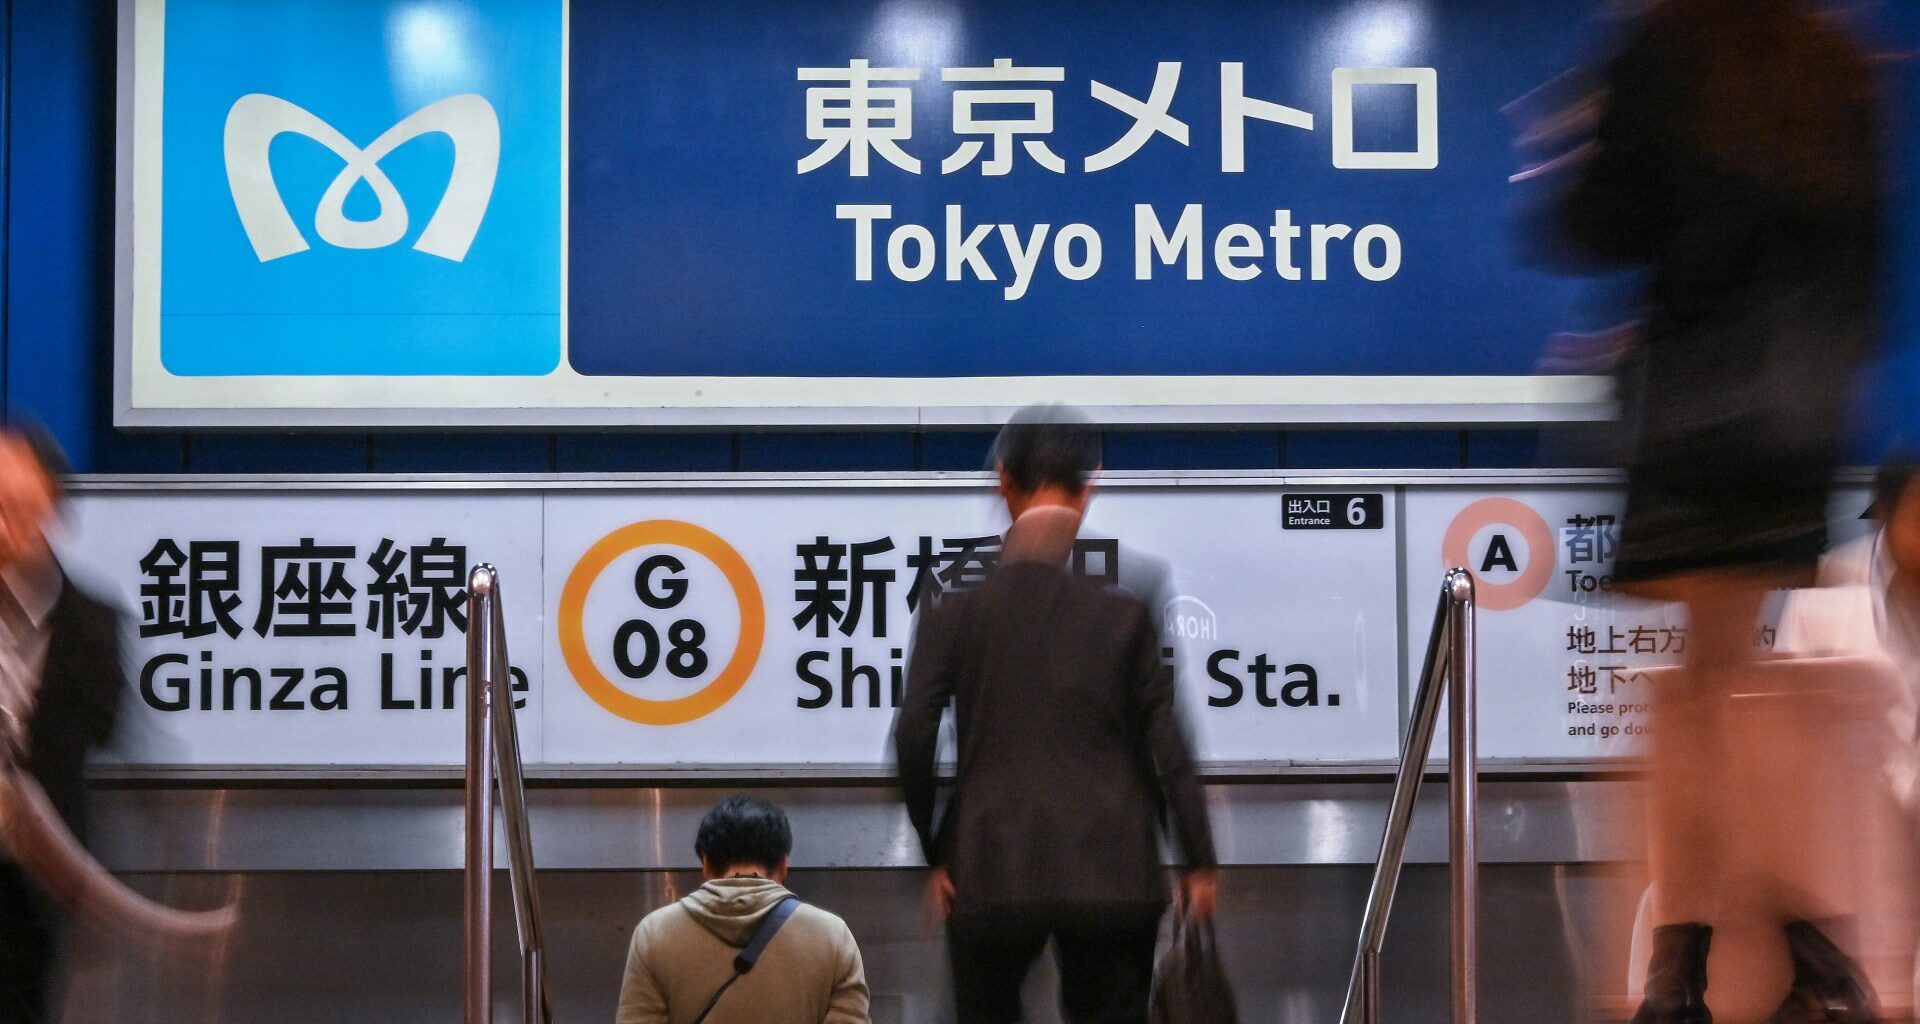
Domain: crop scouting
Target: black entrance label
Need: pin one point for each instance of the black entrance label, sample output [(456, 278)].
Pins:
[(1333, 511)]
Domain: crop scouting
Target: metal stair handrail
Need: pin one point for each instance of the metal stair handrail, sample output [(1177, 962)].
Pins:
[(1449, 666), (493, 760)]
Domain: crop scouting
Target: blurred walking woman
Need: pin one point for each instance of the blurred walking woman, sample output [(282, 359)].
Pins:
[(1737, 163)]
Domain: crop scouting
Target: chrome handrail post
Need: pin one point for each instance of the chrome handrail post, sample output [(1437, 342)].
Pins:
[(493, 759), (1447, 672), (533, 991), (511, 776), (1363, 986), (1370, 987), (1463, 802), (481, 600)]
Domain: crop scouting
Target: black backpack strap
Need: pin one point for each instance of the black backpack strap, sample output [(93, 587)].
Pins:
[(764, 934), (769, 927)]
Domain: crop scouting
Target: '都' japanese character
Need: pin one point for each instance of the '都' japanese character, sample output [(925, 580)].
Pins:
[(1590, 539)]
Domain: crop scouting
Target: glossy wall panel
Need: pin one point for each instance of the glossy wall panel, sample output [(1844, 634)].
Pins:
[(142, 830), (374, 948)]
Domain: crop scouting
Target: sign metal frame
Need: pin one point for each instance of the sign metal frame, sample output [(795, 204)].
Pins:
[(148, 397)]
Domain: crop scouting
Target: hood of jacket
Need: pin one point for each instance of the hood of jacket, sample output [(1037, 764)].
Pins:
[(732, 908)]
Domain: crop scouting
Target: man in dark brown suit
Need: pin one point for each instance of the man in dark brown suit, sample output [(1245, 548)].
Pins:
[(60, 685), (1070, 749)]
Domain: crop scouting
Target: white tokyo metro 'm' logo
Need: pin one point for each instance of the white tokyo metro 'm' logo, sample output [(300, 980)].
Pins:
[(256, 119)]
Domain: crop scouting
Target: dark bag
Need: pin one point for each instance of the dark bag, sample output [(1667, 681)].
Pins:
[(1189, 984), (755, 946)]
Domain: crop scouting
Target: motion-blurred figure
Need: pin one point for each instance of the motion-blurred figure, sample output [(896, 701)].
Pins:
[(1867, 606), (60, 683), (1554, 127), (1867, 598), (1069, 744), (1737, 162)]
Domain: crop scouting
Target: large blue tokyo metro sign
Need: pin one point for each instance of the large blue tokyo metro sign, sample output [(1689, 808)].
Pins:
[(864, 211)]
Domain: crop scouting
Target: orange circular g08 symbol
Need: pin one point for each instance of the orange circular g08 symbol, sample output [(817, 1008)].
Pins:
[(1518, 517), (572, 617)]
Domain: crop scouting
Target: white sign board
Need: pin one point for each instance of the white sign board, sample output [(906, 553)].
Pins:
[(305, 628), (771, 624), (1562, 657), (763, 626)]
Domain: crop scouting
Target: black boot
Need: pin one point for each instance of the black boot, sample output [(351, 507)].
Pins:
[(1677, 977), (1828, 986)]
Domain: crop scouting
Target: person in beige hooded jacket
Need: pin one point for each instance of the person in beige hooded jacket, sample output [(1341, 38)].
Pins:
[(683, 953)]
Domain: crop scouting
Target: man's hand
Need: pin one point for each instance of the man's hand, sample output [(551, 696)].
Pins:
[(940, 894), (1200, 892)]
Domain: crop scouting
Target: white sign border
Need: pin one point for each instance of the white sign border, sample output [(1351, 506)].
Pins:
[(1401, 480), (147, 396)]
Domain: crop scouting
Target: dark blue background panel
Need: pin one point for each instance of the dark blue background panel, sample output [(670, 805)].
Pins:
[(59, 141), (699, 247)]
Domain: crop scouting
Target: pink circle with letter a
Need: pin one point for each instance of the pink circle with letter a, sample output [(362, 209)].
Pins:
[(1511, 515)]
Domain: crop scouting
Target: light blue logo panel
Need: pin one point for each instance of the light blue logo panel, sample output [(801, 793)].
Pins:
[(362, 187)]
